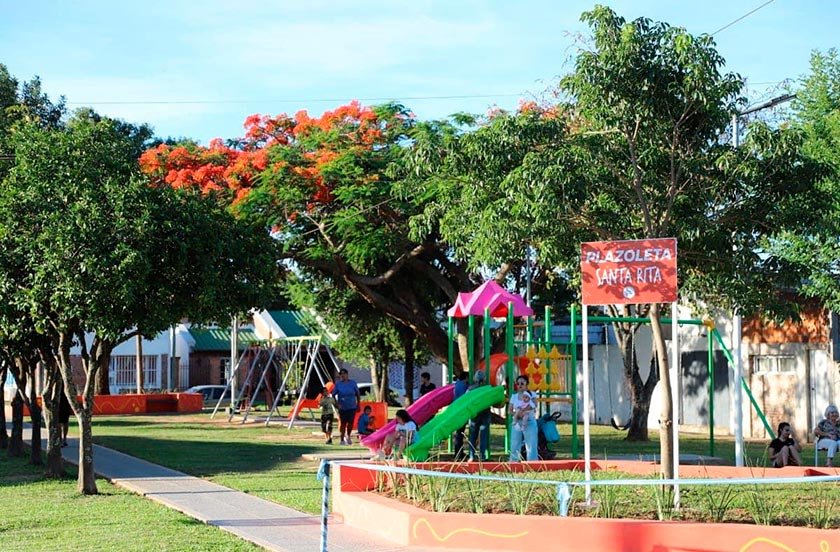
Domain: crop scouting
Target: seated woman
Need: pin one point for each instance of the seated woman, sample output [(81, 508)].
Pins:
[(784, 450), (828, 433), (405, 434)]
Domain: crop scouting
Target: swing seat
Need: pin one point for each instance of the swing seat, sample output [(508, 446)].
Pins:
[(305, 403)]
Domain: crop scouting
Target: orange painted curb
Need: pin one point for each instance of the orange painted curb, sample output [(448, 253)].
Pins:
[(407, 525), (132, 403)]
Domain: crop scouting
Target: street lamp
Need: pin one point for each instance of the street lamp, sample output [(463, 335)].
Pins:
[(737, 410)]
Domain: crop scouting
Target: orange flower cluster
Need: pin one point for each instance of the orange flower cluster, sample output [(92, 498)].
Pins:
[(347, 130), (213, 168), (544, 111)]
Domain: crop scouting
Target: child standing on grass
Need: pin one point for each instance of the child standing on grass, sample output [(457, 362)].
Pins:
[(784, 450), (327, 404)]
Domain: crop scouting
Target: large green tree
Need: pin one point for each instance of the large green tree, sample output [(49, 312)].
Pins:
[(99, 256), (633, 151), (327, 187), (816, 112)]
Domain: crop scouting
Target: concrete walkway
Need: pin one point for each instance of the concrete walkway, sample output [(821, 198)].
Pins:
[(265, 523)]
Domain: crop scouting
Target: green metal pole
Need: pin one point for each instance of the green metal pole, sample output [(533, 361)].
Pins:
[(548, 344), (547, 324), (470, 343), (746, 387), (487, 345), (509, 370), (573, 375), (529, 336), (711, 365), (451, 357)]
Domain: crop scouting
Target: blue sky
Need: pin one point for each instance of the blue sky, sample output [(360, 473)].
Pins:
[(197, 69)]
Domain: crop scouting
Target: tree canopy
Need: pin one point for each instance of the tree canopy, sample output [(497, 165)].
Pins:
[(327, 189), (89, 249), (633, 149)]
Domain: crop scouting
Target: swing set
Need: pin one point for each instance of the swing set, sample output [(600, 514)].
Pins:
[(291, 361)]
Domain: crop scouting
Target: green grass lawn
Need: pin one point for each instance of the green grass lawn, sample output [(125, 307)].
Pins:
[(49, 515), (267, 462)]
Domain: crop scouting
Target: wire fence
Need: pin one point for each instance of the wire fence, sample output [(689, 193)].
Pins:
[(563, 489)]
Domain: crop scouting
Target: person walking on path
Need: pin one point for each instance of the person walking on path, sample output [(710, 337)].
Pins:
[(327, 404), (347, 396), (64, 412)]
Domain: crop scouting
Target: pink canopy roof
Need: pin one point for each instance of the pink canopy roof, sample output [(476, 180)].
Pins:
[(489, 295)]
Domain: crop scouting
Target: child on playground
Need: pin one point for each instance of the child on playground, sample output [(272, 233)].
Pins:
[(784, 450), (365, 425), (328, 406), (405, 433)]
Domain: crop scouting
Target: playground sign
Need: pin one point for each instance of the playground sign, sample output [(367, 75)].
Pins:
[(629, 271)]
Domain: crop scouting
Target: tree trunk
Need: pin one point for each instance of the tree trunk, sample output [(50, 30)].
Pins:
[(462, 357), (666, 420), (103, 383), (87, 476), (16, 442), (139, 358), (422, 321), (54, 386), (641, 391), (92, 361), (35, 416), (374, 378), (4, 435), (408, 370)]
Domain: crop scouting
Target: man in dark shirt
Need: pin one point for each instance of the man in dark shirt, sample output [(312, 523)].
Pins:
[(426, 384)]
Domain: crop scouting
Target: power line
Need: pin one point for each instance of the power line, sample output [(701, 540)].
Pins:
[(293, 100), (742, 17), (368, 99)]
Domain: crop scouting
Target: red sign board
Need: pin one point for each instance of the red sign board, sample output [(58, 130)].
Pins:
[(631, 271)]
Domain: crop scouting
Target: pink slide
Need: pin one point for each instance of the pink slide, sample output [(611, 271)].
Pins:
[(421, 411)]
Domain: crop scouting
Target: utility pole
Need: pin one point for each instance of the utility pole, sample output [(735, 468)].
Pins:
[(737, 322)]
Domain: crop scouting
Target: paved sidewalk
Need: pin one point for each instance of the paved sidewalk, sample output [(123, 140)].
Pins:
[(265, 523)]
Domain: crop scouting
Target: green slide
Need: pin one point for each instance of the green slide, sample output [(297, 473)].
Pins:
[(457, 414)]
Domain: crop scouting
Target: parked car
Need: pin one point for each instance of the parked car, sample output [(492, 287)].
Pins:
[(211, 393), (394, 397)]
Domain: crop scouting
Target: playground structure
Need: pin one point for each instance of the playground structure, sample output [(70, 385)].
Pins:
[(281, 368), (549, 361)]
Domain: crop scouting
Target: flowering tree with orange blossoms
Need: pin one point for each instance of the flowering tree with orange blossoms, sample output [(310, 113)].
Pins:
[(327, 188)]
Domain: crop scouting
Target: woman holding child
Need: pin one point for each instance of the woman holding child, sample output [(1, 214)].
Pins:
[(523, 408)]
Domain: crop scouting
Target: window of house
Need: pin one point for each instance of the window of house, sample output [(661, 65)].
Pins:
[(769, 364)]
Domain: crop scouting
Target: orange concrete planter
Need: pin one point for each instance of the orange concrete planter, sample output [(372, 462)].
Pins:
[(144, 403), (410, 526)]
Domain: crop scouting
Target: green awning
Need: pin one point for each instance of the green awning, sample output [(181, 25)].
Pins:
[(218, 339)]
